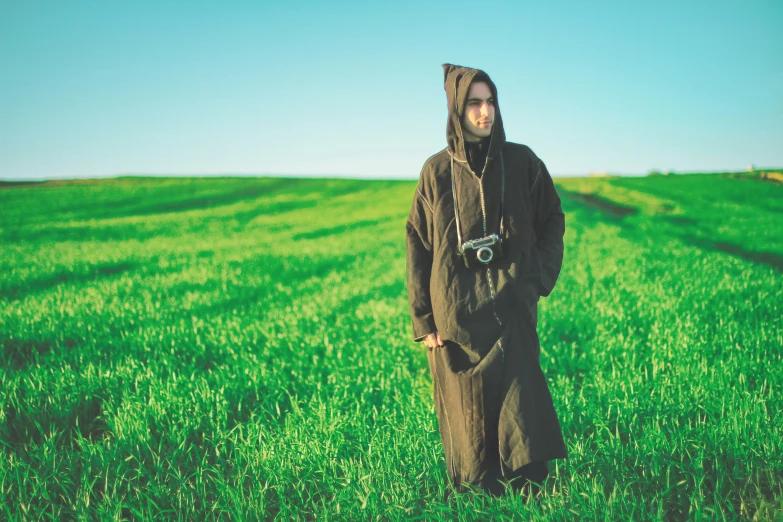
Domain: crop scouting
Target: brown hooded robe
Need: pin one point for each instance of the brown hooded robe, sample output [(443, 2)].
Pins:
[(495, 412)]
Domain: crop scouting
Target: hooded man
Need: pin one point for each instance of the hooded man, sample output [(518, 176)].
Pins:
[(478, 317)]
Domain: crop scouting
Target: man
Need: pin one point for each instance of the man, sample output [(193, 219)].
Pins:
[(478, 319)]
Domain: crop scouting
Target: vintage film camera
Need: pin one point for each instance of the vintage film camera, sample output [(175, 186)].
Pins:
[(482, 251), (477, 252)]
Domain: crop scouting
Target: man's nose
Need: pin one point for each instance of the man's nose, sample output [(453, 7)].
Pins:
[(485, 109)]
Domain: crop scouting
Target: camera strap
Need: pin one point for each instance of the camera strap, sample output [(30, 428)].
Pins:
[(456, 204)]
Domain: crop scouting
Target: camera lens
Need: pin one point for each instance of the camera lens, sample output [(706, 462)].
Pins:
[(484, 254)]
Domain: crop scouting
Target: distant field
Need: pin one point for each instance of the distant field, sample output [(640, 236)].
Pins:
[(239, 348)]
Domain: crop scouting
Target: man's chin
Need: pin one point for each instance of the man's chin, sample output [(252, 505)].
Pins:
[(477, 134)]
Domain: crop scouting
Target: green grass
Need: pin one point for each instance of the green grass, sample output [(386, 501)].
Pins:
[(232, 348)]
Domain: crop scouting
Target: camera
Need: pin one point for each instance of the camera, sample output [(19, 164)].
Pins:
[(482, 251)]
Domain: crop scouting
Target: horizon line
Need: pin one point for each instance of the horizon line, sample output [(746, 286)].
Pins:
[(592, 174)]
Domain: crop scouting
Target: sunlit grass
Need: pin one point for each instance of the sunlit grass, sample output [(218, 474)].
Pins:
[(240, 349)]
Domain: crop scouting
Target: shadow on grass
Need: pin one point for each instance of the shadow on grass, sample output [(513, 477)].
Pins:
[(681, 220), (271, 209), (199, 202), (298, 187), (19, 353), (83, 417), (80, 234), (148, 198), (330, 231), (18, 290)]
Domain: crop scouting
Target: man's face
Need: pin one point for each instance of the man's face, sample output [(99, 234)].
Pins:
[(479, 112)]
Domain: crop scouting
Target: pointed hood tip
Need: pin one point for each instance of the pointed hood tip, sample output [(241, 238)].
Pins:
[(456, 83)]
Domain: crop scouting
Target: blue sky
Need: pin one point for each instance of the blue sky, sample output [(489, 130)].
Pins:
[(94, 89)]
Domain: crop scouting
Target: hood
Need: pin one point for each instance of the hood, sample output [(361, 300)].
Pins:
[(456, 82)]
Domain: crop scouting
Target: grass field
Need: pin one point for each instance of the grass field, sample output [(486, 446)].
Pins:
[(239, 348)]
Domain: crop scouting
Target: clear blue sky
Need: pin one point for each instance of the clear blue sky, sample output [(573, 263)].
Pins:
[(105, 88)]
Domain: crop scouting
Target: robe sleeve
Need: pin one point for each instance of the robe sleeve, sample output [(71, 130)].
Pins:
[(418, 241), (549, 224)]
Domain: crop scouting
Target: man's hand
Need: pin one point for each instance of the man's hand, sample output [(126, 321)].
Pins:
[(432, 340)]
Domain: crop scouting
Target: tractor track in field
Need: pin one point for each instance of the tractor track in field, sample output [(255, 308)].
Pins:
[(765, 258), (594, 201)]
